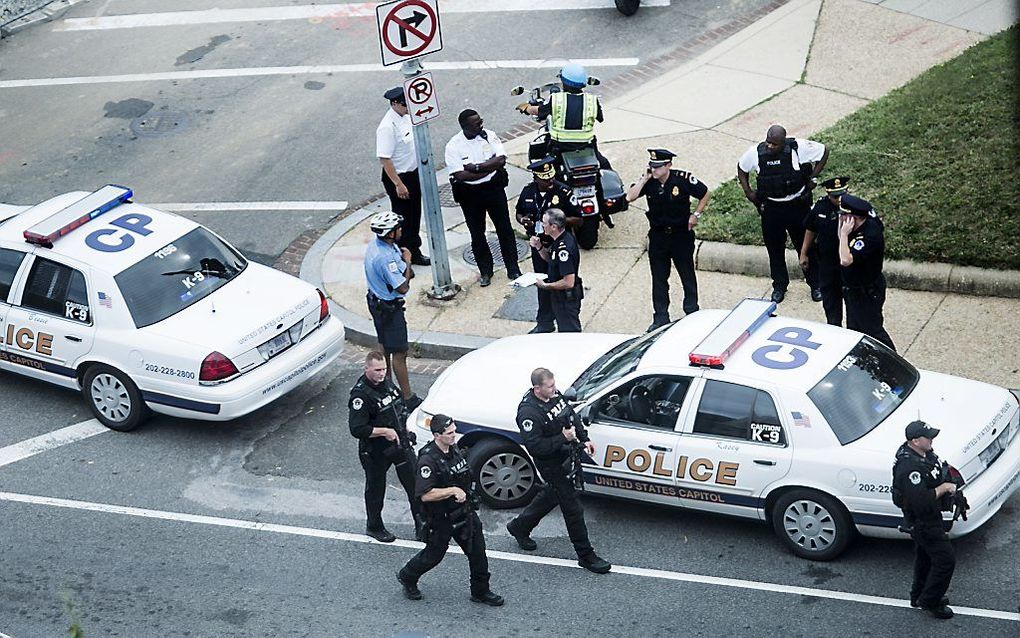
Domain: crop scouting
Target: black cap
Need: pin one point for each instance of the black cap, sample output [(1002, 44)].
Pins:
[(836, 185), (396, 93), (439, 423), (917, 429), (543, 168), (659, 156), (855, 206)]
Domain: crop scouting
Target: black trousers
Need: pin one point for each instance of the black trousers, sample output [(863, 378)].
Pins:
[(779, 219), (566, 308), (558, 490), (864, 310), (934, 563), (830, 282), (376, 466), (409, 209), (476, 202), (588, 234), (471, 540), (666, 248), (544, 318)]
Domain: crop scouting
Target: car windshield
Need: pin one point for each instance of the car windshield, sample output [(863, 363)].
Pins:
[(615, 364), (177, 275), (863, 389)]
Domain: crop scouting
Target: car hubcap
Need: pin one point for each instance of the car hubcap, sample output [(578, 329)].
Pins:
[(506, 476), (110, 397), (809, 525)]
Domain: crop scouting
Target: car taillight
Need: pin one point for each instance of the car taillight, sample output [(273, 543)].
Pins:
[(216, 367), (323, 306)]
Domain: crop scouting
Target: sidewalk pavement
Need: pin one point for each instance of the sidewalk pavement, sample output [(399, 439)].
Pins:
[(826, 59)]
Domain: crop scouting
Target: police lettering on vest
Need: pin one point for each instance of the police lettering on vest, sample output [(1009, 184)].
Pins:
[(777, 175), (379, 406), (438, 470)]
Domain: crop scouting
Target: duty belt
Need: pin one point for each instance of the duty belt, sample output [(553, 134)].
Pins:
[(669, 230)]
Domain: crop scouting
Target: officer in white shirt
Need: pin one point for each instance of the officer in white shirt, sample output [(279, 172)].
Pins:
[(394, 146), (476, 160), (786, 169)]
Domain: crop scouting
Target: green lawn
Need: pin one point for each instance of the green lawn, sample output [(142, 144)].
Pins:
[(939, 158)]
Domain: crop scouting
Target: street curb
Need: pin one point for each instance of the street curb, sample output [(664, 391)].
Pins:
[(44, 13)]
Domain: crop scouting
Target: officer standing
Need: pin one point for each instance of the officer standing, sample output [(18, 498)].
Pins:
[(820, 249), (563, 281), (671, 232), (377, 418), (861, 250), (445, 488), (394, 146), (918, 490), (544, 418), (786, 169)]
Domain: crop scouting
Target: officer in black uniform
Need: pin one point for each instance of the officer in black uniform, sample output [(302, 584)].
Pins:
[(671, 235), (445, 487), (861, 250), (549, 427), (821, 246), (377, 419), (563, 281), (918, 489)]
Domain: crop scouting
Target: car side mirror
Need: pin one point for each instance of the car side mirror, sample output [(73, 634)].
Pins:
[(517, 90), (593, 81), (570, 394)]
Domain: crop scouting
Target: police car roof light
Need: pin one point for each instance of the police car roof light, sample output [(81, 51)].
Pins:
[(81, 212), (746, 317)]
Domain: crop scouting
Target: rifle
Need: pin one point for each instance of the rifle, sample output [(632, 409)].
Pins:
[(958, 502), (403, 449), (461, 519), (572, 466)]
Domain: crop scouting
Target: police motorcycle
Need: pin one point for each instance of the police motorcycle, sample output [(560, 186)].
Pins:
[(599, 191), (628, 7)]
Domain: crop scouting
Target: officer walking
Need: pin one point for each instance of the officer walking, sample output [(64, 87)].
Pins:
[(550, 428), (476, 161), (445, 488), (394, 146), (563, 281), (861, 250), (918, 489), (786, 168), (377, 418), (671, 232)]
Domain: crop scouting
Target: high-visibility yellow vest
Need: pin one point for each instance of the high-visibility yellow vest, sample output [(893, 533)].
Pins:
[(558, 130)]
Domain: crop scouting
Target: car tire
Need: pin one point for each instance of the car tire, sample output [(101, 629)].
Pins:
[(628, 7), (504, 475), (811, 524), (113, 398)]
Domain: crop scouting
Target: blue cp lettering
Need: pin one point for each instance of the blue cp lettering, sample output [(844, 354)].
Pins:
[(109, 240), (790, 353)]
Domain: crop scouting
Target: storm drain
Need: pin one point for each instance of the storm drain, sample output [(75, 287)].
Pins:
[(159, 123), (497, 257)]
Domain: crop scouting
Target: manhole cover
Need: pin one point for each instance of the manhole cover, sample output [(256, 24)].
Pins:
[(159, 123), (521, 305), (497, 256), (446, 196)]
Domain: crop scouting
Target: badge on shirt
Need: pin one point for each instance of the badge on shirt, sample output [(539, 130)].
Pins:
[(564, 255), (357, 403), (426, 471), (393, 267), (858, 244), (676, 191), (915, 478), (527, 425), (555, 200)]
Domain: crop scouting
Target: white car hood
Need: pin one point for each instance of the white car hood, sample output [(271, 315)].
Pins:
[(484, 387)]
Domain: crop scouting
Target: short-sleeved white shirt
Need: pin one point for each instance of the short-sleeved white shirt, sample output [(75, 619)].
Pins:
[(460, 151), (807, 151), (395, 141)]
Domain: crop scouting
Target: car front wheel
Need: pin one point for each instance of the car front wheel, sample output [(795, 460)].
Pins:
[(113, 398), (504, 475), (811, 524)]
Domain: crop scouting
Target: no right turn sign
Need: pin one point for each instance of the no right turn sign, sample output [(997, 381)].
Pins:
[(408, 29)]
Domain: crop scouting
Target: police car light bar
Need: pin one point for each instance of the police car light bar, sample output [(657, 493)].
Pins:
[(81, 212), (746, 317)]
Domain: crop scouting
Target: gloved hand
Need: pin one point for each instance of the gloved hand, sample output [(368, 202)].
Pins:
[(523, 107)]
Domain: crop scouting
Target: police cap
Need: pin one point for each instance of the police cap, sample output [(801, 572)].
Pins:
[(543, 168), (659, 157), (917, 429), (396, 93), (855, 206), (836, 185), (439, 423)]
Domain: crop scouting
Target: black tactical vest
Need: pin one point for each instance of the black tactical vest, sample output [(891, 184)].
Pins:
[(777, 176)]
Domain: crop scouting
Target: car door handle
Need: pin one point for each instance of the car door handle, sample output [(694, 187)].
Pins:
[(72, 338), (660, 448), (764, 462)]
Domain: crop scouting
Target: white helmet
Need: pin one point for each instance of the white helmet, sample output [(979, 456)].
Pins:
[(382, 223)]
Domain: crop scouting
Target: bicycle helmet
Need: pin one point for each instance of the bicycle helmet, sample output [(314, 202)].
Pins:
[(384, 222)]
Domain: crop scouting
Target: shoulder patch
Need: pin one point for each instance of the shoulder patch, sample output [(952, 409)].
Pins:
[(915, 478), (357, 402), (858, 244), (692, 179), (563, 255), (425, 471), (393, 267), (527, 425)]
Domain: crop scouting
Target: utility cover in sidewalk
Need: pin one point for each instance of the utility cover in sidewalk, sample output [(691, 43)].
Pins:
[(521, 305), (497, 256), (446, 196)]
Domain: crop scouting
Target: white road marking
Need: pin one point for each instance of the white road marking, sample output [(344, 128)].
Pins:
[(232, 206), (322, 12), (63, 436), (306, 70), (660, 574), (3, 635)]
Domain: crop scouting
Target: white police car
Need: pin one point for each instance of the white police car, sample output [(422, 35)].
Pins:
[(141, 309), (747, 414)]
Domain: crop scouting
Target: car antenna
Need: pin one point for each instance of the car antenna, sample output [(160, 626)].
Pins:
[(212, 304)]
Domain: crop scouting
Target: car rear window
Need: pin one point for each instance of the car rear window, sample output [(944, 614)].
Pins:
[(177, 275), (863, 389)]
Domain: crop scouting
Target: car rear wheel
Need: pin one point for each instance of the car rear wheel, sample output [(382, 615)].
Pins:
[(113, 398), (504, 475), (811, 524)]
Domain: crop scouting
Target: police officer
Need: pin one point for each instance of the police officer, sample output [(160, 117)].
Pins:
[(861, 250), (918, 489), (563, 280), (671, 232), (549, 428), (786, 169), (377, 417), (445, 487), (394, 146), (821, 247)]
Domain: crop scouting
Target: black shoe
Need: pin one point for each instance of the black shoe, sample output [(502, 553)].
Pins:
[(419, 259), (656, 324), (539, 330), (595, 564), (513, 275), (489, 598), (412, 402), (941, 612), (484, 280), (382, 535), (524, 541), (942, 603), (816, 294), (778, 295), (411, 591)]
